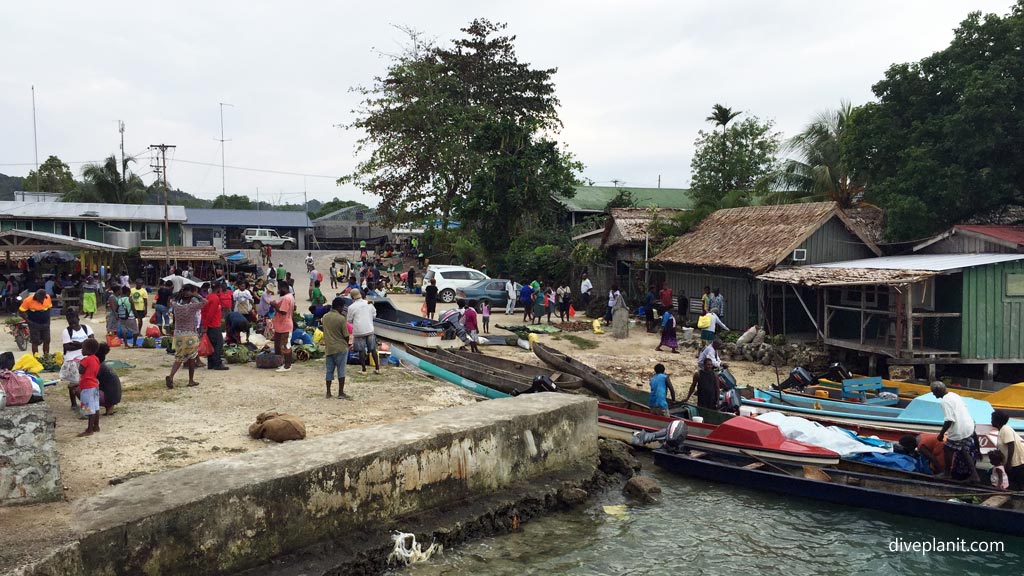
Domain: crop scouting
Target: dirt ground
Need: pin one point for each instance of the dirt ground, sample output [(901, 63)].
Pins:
[(156, 429)]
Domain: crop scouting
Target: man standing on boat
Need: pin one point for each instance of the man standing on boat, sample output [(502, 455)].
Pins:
[(660, 386), (707, 385), (957, 431)]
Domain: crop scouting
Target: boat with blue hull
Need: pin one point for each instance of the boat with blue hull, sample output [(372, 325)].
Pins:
[(962, 506), (922, 415)]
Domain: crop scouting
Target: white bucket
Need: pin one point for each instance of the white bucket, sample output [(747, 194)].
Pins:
[(748, 411), (697, 418), (687, 334)]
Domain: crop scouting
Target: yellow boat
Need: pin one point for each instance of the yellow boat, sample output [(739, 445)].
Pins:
[(1009, 399)]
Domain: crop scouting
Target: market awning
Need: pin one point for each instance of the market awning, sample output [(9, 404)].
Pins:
[(190, 253), (33, 241), (815, 276)]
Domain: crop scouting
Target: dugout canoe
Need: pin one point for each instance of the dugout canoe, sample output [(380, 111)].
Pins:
[(961, 505), (494, 379), (521, 370)]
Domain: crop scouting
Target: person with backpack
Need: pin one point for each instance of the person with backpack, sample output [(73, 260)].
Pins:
[(708, 324), (72, 339), (140, 304), (125, 324)]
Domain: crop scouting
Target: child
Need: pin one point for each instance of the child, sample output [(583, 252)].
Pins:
[(999, 478), (89, 385), (485, 313), (661, 386)]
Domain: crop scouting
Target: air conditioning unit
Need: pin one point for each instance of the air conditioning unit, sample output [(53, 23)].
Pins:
[(202, 242), (800, 255)]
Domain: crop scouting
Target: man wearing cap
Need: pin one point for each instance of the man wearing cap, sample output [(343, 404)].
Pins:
[(36, 309), (337, 342), (361, 314)]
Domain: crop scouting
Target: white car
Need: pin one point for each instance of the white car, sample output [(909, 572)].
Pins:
[(257, 237), (451, 278)]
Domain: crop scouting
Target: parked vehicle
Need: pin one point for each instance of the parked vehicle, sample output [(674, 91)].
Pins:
[(491, 289), (451, 278), (257, 237), (19, 330)]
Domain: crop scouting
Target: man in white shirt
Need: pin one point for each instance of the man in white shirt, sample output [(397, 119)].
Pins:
[(513, 292), (957, 430), (361, 314), (585, 287), (710, 352)]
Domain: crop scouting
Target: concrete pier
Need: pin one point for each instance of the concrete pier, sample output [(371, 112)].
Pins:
[(228, 515)]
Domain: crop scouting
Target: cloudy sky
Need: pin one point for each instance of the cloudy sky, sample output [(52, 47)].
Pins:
[(636, 79)]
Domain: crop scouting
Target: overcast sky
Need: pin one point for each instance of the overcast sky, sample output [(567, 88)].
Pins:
[(636, 79)]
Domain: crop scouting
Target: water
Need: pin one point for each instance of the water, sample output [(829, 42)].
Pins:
[(706, 528)]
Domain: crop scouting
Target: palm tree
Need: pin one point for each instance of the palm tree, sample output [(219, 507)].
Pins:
[(104, 183), (722, 115), (816, 170)]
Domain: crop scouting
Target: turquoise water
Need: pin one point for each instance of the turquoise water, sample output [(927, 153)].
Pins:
[(705, 528)]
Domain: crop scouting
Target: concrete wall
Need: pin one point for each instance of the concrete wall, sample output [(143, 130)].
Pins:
[(226, 515), (29, 467)]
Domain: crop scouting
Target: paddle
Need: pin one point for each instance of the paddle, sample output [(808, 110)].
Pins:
[(766, 463)]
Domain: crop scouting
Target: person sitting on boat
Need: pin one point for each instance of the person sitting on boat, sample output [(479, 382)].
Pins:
[(711, 352), (660, 385), (708, 385), (1012, 448), (958, 433), (928, 447)]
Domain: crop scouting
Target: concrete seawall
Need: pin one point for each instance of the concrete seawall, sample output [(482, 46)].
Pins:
[(227, 515)]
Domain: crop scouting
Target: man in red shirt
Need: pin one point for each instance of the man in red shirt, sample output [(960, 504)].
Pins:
[(211, 321), (666, 297)]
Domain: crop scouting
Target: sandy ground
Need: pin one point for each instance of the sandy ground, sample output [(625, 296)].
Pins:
[(156, 429)]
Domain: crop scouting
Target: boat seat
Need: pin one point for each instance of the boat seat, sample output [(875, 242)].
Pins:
[(697, 454), (997, 501), (754, 465), (858, 388)]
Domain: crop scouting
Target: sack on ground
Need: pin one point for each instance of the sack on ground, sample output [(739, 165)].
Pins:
[(704, 322), (269, 360), (152, 332), (748, 336), (17, 388), (205, 347), (113, 341), (277, 427)]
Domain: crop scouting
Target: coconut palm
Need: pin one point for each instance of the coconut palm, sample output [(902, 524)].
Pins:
[(104, 183), (722, 115), (815, 170)]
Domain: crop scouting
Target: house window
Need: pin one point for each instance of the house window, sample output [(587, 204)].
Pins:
[(1015, 284), (73, 229), (851, 296), (153, 231)]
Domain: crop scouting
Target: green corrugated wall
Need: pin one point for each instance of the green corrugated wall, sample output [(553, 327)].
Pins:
[(991, 322)]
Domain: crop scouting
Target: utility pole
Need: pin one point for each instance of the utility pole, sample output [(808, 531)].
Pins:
[(167, 225), (120, 128), (35, 137), (222, 141), (659, 180)]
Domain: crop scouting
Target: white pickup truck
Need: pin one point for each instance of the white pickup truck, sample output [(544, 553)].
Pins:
[(257, 237)]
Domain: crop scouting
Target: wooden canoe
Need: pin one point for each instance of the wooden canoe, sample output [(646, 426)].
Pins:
[(490, 377), (521, 370), (597, 382)]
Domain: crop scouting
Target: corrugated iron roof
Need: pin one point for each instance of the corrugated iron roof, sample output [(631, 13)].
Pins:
[(89, 210), (817, 276), (929, 262), (595, 198), (755, 238), (1011, 234), (207, 253), (22, 239), (254, 218)]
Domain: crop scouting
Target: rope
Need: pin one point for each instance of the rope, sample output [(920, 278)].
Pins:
[(409, 551)]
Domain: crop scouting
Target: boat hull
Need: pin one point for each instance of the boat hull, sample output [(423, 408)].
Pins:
[(896, 497), (409, 335), (522, 371)]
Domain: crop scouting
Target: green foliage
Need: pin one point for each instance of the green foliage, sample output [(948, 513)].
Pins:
[(530, 258), (579, 341), (53, 176), (588, 224), (333, 206), (943, 141), (584, 254), (816, 170), (104, 183), (722, 115), (731, 162), (623, 199), (232, 201), (468, 251), (462, 132), (10, 184)]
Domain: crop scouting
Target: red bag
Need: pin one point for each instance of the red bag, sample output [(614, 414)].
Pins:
[(319, 277), (17, 387), (113, 341), (152, 332), (572, 311), (152, 319), (205, 347)]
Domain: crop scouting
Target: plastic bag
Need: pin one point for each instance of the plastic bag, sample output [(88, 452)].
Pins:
[(152, 332), (152, 319), (205, 347), (113, 341), (704, 322), (28, 363), (423, 309), (572, 311), (69, 372), (17, 387)]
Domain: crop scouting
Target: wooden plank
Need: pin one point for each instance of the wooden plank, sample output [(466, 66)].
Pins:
[(697, 454), (754, 465), (997, 501), (808, 310), (998, 311)]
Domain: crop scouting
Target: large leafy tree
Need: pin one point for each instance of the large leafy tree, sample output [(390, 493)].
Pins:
[(53, 176), (463, 132), (815, 169), (233, 202), (943, 141), (728, 164), (105, 183)]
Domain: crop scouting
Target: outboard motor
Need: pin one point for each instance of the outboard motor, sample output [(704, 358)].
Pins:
[(539, 384), (672, 437), (836, 372), (799, 378)]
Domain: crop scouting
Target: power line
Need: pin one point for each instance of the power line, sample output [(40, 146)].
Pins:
[(264, 170)]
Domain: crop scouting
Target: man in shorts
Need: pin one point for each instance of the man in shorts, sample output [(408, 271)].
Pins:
[(361, 314), (140, 303), (36, 310), (283, 324)]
